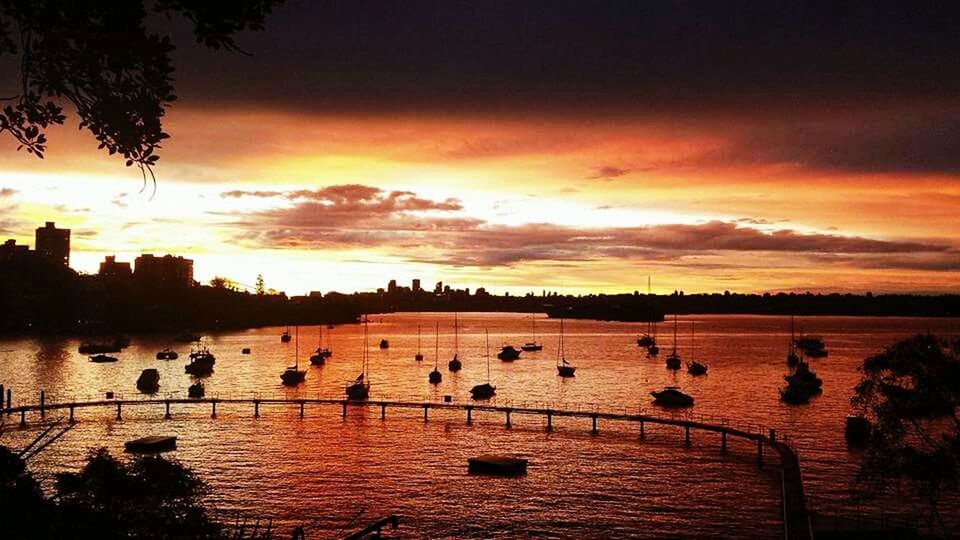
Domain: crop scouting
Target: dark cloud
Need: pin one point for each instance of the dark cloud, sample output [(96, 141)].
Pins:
[(608, 172), (585, 56), (7, 192)]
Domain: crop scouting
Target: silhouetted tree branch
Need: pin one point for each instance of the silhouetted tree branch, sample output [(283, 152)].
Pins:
[(98, 56), (912, 391)]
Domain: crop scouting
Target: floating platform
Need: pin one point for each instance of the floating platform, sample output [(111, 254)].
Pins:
[(152, 444), (497, 464)]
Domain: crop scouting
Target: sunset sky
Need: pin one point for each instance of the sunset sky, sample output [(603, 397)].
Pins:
[(517, 148)]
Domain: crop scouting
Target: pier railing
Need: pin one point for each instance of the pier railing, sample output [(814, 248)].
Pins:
[(795, 516)]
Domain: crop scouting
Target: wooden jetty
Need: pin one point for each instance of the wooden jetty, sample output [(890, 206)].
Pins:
[(795, 516)]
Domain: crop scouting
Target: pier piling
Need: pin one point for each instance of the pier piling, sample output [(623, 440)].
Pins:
[(642, 434), (71, 415), (1, 398), (256, 409), (508, 417), (344, 411), (723, 441), (594, 431), (23, 419), (686, 435), (425, 409), (301, 408), (118, 412), (469, 416), (166, 415), (43, 399), (213, 413), (383, 411), (549, 421)]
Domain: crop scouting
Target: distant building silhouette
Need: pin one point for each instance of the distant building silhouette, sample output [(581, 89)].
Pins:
[(416, 285), (438, 289), (11, 251), (169, 270), (53, 243), (112, 270), (392, 286)]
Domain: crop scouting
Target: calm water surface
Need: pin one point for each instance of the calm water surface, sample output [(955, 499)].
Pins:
[(331, 473)]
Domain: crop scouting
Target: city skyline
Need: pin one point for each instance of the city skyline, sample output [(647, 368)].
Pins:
[(572, 163)]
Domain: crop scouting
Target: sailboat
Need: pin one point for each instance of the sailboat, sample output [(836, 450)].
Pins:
[(532, 346), (419, 356), (455, 364), (486, 390), (673, 361), (293, 375), (435, 375), (285, 336), (792, 357), (694, 367), (647, 340), (564, 369), (320, 356), (359, 389)]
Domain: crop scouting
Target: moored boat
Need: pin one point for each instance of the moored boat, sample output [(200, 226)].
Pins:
[(293, 375), (671, 396), (564, 368), (359, 388), (201, 362), (455, 365), (435, 376), (102, 359), (508, 353), (196, 390), (149, 381), (167, 354), (485, 390)]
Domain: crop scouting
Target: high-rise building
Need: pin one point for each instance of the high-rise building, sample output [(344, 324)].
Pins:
[(438, 288), (416, 285), (168, 270), (113, 270), (11, 251), (53, 244), (392, 286)]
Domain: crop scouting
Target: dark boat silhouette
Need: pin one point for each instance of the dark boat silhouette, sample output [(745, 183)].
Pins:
[(811, 346), (167, 354), (319, 356), (196, 390), (508, 353), (435, 375), (485, 390), (802, 384), (285, 336), (671, 396), (149, 381), (694, 367), (384, 344), (564, 369), (293, 375), (102, 359), (245, 350), (201, 362), (455, 365), (532, 346), (419, 356), (359, 388), (673, 360)]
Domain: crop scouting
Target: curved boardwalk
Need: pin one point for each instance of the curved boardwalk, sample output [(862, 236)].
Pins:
[(796, 523)]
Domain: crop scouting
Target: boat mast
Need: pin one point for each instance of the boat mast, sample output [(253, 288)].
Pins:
[(363, 367), (533, 322), (560, 343), (436, 348), (456, 334), (487, 332), (418, 339), (674, 334), (296, 348)]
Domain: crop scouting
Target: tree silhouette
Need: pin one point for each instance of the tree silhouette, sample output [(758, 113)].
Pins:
[(912, 391), (260, 286), (98, 56)]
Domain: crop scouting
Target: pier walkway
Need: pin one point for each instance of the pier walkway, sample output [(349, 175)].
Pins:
[(796, 522)]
